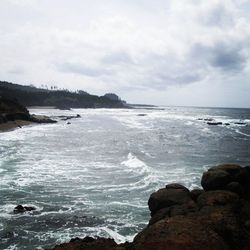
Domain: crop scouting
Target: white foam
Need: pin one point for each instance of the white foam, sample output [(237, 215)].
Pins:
[(12, 247), (135, 165), (147, 154), (239, 132), (116, 236), (126, 204), (189, 123)]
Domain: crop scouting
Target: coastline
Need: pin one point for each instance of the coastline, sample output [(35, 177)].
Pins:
[(12, 125), (81, 129), (216, 217)]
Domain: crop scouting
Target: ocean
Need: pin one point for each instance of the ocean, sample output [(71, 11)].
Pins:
[(94, 176)]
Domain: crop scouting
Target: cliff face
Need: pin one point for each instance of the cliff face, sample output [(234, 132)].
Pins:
[(215, 217)]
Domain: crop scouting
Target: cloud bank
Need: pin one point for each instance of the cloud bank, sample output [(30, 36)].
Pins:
[(163, 52)]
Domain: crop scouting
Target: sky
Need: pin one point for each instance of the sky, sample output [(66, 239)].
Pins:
[(163, 52)]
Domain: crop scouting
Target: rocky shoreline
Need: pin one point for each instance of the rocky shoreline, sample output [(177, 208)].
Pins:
[(215, 217), (13, 115)]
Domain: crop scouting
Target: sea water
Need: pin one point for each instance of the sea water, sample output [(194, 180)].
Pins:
[(94, 176)]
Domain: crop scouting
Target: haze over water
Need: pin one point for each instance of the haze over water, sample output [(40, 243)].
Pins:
[(94, 176)]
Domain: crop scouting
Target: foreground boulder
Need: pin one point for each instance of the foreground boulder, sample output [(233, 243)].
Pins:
[(89, 243), (217, 217), (227, 177), (179, 232), (167, 197)]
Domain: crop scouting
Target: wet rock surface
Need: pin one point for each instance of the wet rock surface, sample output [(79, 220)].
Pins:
[(217, 217)]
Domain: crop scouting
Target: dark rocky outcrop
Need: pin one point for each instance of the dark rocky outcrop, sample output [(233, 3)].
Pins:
[(21, 209), (195, 193), (240, 123), (167, 197), (68, 117), (87, 243), (217, 217), (227, 177), (214, 123), (41, 119), (11, 113), (178, 232)]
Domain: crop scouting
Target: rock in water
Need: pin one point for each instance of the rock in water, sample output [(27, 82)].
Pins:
[(19, 209), (214, 123), (22, 209)]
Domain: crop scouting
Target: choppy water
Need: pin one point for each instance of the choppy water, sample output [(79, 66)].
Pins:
[(94, 176)]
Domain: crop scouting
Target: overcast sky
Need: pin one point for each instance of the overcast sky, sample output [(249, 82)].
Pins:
[(165, 52)]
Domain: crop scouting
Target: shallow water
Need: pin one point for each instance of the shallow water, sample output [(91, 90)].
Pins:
[(94, 176)]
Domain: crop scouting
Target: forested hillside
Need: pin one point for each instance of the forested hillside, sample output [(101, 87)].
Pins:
[(32, 96)]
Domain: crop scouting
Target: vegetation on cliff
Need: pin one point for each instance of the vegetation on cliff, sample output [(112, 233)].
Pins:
[(32, 96)]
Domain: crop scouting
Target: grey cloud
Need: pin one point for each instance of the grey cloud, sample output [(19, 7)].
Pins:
[(169, 70), (218, 16), (181, 78), (162, 80), (187, 78), (81, 69), (227, 57), (135, 45), (117, 58)]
